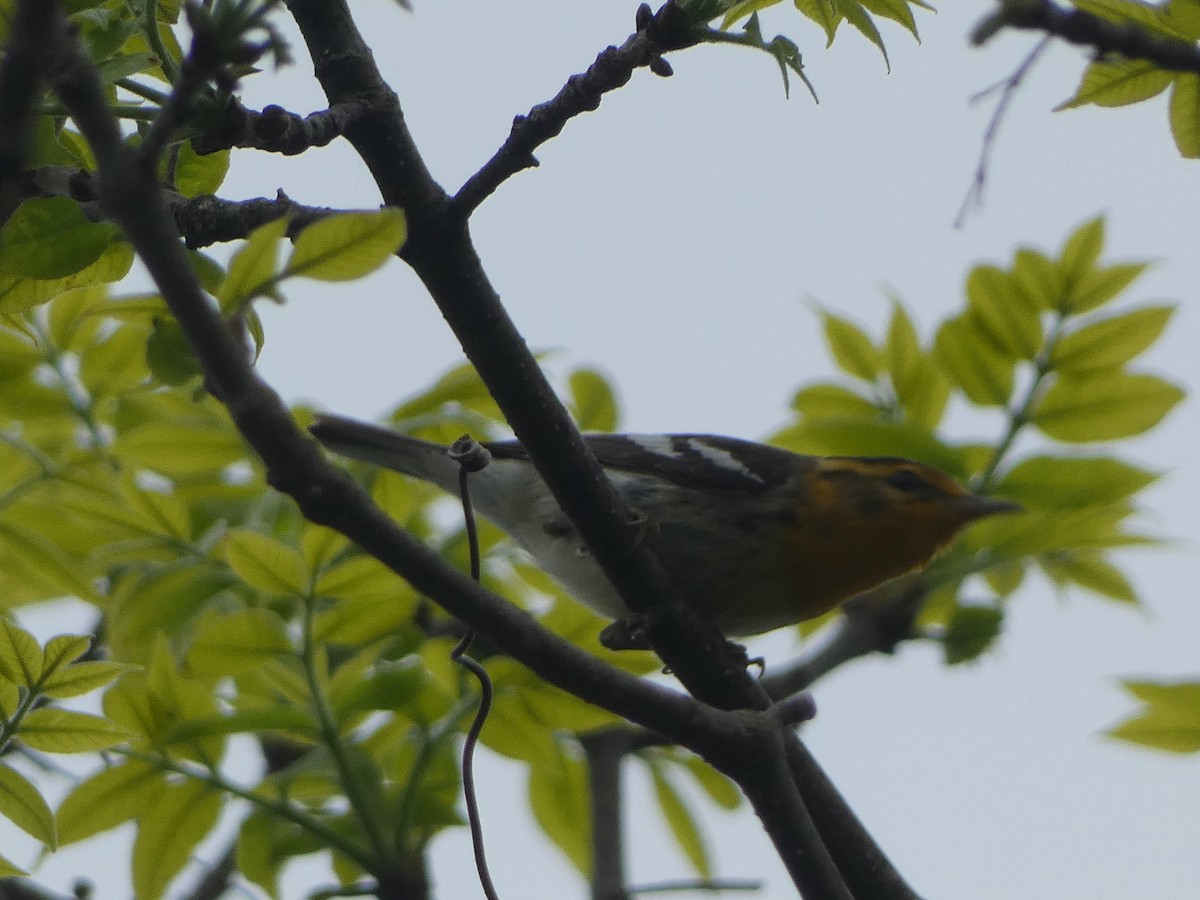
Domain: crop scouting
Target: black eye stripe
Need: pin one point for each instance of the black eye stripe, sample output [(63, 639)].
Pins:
[(907, 480)]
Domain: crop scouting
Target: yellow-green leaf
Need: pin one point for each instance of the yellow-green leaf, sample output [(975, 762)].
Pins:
[(1110, 342), (62, 650), (229, 643), (1118, 83), (266, 563), (253, 268), (168, 832), (347, 246), (1185, 114), (1048, 482), (970, 631), (1104, 406), (51, 238), (83, 677), (999, 309), (180, 449), (972, 362), (22, 804), (593, 404), (55, 730), (20, 655), (851, 347), (1091, 572), (821, 401), (9, 870), (1170, 720), (680, 820), (560, 798), (113, 795), (1099, 285)]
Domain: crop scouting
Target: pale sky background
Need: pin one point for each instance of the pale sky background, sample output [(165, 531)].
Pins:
[(676, 239)]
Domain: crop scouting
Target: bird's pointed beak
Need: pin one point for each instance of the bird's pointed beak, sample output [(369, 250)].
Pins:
[(976, 507)]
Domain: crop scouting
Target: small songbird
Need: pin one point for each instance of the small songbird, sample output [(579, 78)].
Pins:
[(756, 536)]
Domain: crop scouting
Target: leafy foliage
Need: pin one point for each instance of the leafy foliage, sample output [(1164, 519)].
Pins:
[(1116, 81), (123, 483), (1037, 345)]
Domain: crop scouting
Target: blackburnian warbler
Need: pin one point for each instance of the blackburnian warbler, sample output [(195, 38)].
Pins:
[(756, 536)]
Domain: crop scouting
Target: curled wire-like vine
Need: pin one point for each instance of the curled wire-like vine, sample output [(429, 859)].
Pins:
[(472, 456)]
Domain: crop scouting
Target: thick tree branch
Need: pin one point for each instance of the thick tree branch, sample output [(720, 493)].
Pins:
[(669, 29), (20, 72), (1128, 39), (325, 493), (440, 251), (277, 130)]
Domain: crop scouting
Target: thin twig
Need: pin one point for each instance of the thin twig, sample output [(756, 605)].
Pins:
[(1008, 89), (668, 29)]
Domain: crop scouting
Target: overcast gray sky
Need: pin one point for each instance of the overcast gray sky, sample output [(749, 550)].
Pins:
[(676, 239)]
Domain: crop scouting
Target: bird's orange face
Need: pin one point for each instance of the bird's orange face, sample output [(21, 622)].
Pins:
[(868, 520)]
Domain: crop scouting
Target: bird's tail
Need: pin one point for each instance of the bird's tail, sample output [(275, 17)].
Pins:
[(387, 447)]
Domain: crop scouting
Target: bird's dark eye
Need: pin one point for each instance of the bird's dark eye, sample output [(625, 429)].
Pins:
[(906, 480)]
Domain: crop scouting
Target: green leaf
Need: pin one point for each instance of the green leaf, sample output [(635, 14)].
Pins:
[(18, 294), (824, 12), (1047, 482), (180, 449), (1118, 83), (560, 798), (593, 406), (231, 643), (55, 730), (49, 239), (196, 174), (1104, 406), (970, 631), (1038, 279), (22, 804), (1098, 286), (256, 719), (62, 650), (260, 850), (252, 271), (821, 401), (1000, 311), (972, 361), (1170, 720), (9, 870), (719, 788), (113, 795), (680, 820), (169, 355), (17, 355), (83, 677), (1091, 572), (43, 562), (266, 563), (1185, 114), (856, 437), (851, 348), (20, 655), (391, 686), (1081, 252), (922, 390), (347, 246), (168, 832), (1109, 343)]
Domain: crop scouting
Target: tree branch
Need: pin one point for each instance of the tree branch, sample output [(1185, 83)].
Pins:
[(1128, 39), (20, 72), (277, 130), (668, 29)]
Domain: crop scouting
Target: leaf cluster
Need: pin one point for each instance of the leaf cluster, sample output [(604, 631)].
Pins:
[(1040, 347)]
